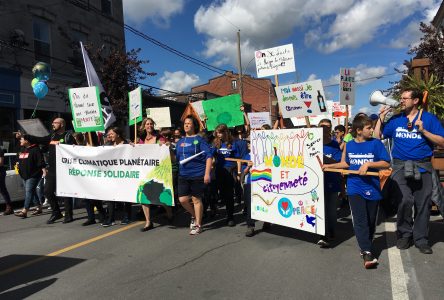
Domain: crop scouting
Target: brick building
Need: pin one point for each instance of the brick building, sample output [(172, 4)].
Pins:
[(257, 92)]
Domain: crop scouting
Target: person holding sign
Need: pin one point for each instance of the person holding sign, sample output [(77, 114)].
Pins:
[(116, 137), (414, 133), (363, 153), (150, 136), (58, 136), (226, 171), (195, 160)]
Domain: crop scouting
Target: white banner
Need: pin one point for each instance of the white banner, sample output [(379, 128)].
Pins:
[(301, 99), (160, 115), (287, 182), (257, 119), (273, 61), (347, 86), (138, 174)]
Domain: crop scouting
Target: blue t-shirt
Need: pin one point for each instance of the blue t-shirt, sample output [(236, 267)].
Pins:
[(356, 155), (412, 145), (187, 147), (242, 147), (225, 151), (332, 182)]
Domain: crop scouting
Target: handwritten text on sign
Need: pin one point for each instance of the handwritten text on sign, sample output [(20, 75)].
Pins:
[(86, 110), (301, 99), (273, 61), (347, 86), (287, 183)]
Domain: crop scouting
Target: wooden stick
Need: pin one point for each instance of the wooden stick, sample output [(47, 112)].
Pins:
[(343, 171), (307, 122), (246, 161), (135, 131), (90, 138), (346, 119)]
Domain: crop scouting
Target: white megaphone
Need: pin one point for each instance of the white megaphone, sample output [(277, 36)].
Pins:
[(378, 98)]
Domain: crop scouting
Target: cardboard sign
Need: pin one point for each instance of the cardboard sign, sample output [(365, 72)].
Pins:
[(287, 182), (33, 127), (273, 61), (86, 109), (223, 110), (347, 89), (160, 115), (301, 99), (135, 106), (257, 119)]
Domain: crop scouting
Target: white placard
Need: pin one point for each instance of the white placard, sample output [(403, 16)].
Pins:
[(301, 99), (160, 115), (273, 61), (257, 119), (347, 89), (86, 109), (287, 182), (314, 120), (197, 106), (135, 106)]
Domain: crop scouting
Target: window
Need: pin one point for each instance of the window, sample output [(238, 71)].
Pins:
[(77, 58), (42, 40), (107, 7), (233, 84)]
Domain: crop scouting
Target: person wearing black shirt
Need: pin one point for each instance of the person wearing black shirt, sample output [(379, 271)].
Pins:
[(3, 190), (58, 136), (30, 168)]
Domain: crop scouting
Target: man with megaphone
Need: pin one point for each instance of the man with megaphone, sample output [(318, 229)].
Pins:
[(414, 133)]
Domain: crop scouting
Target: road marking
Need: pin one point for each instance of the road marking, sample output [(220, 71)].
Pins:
[(69, 248), (397, 274)]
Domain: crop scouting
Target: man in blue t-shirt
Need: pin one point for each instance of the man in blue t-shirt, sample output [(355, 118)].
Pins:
[(414, 133)]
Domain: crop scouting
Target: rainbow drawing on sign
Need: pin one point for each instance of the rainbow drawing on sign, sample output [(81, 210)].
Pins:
[(257, 175)]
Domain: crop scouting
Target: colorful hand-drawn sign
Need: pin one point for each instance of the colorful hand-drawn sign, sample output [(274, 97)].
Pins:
[(274, 61), (287, 183)]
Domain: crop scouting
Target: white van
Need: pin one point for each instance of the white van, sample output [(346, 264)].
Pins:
[(14, 182)]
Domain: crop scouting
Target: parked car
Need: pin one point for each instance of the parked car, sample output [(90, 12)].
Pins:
[(14, 182)]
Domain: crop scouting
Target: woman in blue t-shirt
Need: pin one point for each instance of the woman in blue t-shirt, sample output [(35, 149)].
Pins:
[(226, 148), (195, 160), (363, 154)]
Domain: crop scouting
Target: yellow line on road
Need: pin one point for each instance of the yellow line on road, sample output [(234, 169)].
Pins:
[(69, 248)]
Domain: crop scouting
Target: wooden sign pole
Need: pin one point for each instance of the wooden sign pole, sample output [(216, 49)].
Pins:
[(135, 131)]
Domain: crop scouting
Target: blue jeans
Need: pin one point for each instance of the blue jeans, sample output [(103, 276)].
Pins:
[(31, 191), (364, 214)]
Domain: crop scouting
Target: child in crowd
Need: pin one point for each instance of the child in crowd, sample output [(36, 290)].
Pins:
[(363, 153)]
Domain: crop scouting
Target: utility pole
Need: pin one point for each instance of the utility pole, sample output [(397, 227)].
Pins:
[(239, 66)]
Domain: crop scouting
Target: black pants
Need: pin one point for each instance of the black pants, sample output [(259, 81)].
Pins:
[(112, 210), (247, 199), (225, 184), (3, 189), (89, 206), (364, 214), (50, 194), (413, 194)]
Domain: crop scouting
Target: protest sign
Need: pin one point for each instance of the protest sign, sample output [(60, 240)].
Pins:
[(223, 110), (197, 105), (340, 113), (128, 173), (160, 115), (314, 120), (86, 109), (33, 127), (347, 86), (287, 182), (301, 99), (257, 119), (274, 61), (135, 106)]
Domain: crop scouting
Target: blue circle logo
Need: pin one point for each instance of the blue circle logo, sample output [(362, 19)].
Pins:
[(285, 207)]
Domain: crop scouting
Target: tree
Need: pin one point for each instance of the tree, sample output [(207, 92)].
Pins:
[(431, 46)]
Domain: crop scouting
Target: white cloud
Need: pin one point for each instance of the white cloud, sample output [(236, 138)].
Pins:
[(329, 26), (157, 11), (312, 77), (178, 81), (363, 75)]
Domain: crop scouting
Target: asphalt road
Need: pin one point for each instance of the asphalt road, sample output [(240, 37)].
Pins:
[(68, 261)]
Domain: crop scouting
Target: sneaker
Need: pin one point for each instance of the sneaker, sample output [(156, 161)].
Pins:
[(108, 224), (404, 243), (196, 230), (231, 223), (424, 249), (193, 223), (89, 222), (369, 260), (250, 232), (323, 243), (125, 221)]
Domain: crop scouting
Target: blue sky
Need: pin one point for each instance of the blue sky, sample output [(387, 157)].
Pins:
[(372, 36)]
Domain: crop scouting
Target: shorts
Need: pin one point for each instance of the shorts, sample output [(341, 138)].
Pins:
[(193, 186)]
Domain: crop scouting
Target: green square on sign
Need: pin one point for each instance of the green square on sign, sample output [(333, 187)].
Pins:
[(223, 110)]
